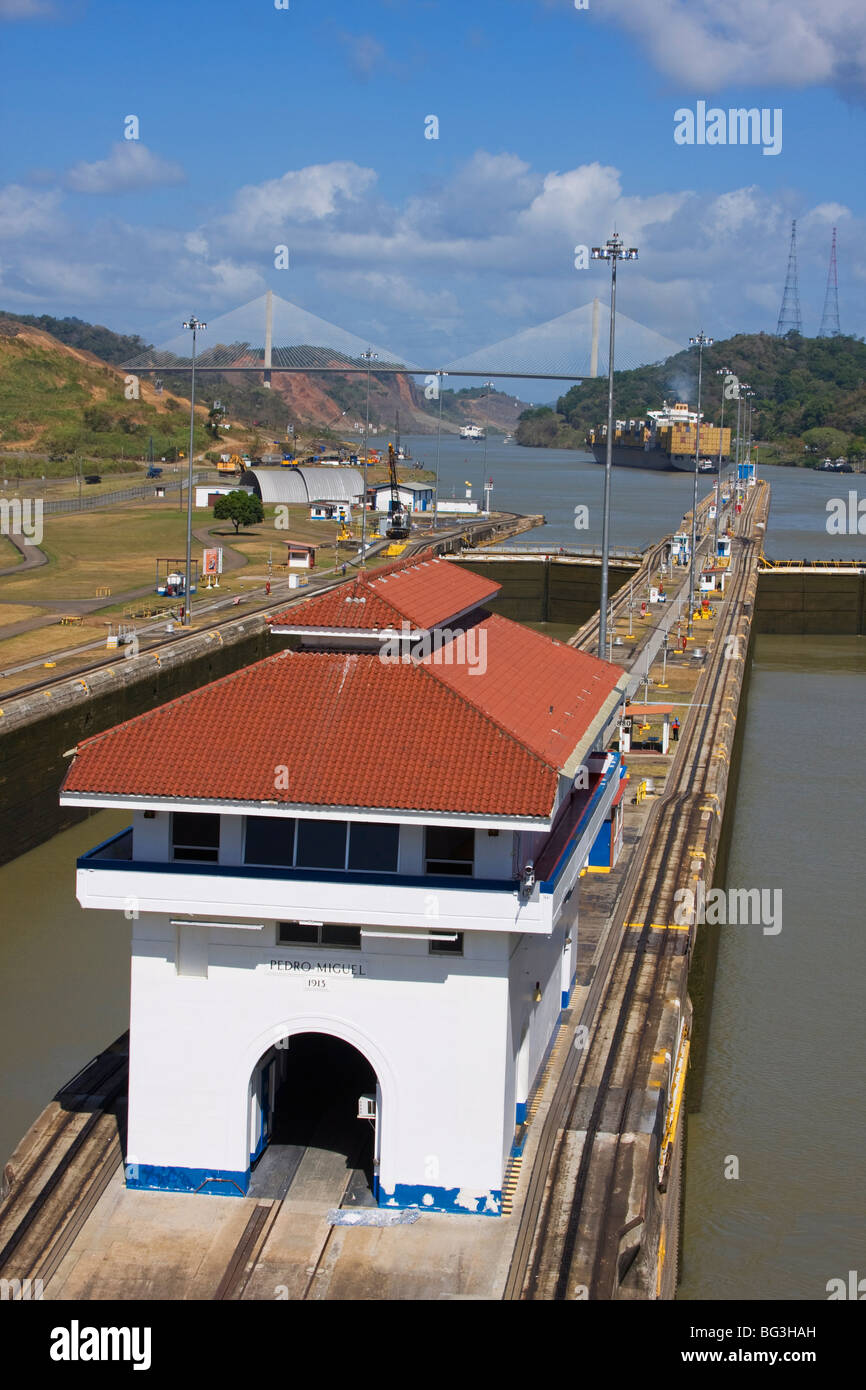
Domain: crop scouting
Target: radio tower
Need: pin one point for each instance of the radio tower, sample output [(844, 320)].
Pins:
[(789, 314), (830, 317)]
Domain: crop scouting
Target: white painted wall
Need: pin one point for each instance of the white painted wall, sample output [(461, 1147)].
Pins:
[(433, 1028)]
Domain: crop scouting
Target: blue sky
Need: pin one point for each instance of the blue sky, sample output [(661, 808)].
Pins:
[(305, 127)]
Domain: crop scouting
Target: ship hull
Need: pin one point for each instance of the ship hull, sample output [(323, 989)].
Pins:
[(622, 457), (684, 463)]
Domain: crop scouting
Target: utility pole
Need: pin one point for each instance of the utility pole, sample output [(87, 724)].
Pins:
[(789, 314), (368, 357), (830, 317), (195, 325), (439, 376), (701, 341), (488, 385), (613, 251), (723, 372)]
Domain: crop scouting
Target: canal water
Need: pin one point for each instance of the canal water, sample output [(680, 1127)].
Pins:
[(644, 505), (782, 1103), (783, 1079)]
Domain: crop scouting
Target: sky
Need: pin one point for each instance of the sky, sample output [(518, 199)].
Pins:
[(307, 126)]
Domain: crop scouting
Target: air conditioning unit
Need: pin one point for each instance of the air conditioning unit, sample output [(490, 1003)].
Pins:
[(366, 1107)]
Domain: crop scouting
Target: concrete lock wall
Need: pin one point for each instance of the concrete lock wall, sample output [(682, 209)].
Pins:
[(433, 1029), (547, 589), (811, 604), (36, 729)]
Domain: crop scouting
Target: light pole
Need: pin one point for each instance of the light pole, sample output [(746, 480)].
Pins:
[(195, 324), (749, 396), (439, 376), (368, 358), (613, 251), (722, 372), (488, 385), (701, 341)]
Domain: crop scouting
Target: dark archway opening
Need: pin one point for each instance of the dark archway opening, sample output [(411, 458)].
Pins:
[(319, 1150)]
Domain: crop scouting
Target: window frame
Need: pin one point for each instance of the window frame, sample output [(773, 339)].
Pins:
[(257, 863), (447, 948), (319, 943), (212, 852), (346, 867), (453, 864)]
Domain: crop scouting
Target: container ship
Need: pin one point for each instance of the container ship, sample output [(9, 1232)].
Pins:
[(665, 440)]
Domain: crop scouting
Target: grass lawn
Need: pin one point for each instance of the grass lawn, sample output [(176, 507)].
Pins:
[(117, 548), (9, 553), (45, 641)]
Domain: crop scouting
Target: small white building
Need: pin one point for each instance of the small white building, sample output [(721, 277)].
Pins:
[(416, 497), (207, 494), (366, 849)]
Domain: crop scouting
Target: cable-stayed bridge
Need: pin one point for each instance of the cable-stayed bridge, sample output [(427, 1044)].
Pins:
[(270, 334)]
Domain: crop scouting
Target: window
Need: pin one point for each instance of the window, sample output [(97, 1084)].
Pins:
[(319, 934), (195, 836), (269, 840), (373, 846), (450, 850), (321, 844), (447, 944)]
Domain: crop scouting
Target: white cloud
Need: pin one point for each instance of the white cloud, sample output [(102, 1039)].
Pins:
[(446, 270), (26, 213), (366, 54), (261, 213), (130, 165), (791, 43)]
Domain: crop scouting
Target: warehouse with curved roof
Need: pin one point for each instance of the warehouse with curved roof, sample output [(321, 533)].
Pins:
[(294, 486)]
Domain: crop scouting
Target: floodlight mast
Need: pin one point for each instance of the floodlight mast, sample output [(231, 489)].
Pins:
[(700, 342), (613, 251), (369, 356), (194, 324)]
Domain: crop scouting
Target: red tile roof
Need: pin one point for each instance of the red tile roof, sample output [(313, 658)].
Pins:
[(487, 736), (543, 692), (350, 730), (425, 591)]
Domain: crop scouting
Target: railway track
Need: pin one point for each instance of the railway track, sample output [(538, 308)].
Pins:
[(75, 673), (65, 1171), (602, 1091)]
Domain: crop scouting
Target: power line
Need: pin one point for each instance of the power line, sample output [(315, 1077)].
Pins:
[(830, 317), (789, 314)]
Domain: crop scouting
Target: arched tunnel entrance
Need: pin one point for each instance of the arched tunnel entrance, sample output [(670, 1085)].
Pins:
[(306, 1138)]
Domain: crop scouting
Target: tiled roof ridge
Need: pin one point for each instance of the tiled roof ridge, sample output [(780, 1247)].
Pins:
[(182, 699), (404, 563), (489, 718)]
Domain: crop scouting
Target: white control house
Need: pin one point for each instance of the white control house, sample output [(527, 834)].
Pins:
[(353, 877)]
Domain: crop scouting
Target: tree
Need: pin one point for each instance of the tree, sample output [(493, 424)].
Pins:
[(240, 507)]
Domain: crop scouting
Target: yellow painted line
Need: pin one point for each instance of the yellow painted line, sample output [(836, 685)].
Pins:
[(698, 853)]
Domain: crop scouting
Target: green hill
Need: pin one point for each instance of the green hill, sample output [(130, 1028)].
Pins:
[(59, 402), (810, 396)]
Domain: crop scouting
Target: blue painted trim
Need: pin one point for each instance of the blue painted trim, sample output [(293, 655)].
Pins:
[(519, 1145), (278, 874), (519, 1112), (443, 1199), (548, 885), (110, 841), (219, 1182), (565, 995)]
